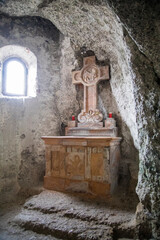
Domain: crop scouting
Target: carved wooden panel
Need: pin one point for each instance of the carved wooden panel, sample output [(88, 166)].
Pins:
[(97, 164), (48, 160), (79, 163), (57, 161), (82, 164), (106, 157), (75, 163)]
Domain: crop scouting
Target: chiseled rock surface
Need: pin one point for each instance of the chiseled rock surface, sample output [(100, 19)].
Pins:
[(57, 98), (24, 121), (130, 42), (68, 216)]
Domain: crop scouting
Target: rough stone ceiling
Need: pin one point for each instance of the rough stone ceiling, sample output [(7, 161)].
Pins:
[(85, 21), (81, 22)]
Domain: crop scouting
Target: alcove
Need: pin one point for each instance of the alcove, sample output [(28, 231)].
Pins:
[(113, 32)]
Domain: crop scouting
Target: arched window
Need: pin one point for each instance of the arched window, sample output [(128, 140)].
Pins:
[(18, 72), (14, 77)]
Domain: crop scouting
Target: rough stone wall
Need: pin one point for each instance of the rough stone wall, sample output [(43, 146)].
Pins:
[(24, 121), (105, 49), (130, 42), (66, 95), (142, 23), (47, 114)]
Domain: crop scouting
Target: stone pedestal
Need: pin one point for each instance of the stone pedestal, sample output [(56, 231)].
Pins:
[(92, 129), (89, 131), (82, 164)]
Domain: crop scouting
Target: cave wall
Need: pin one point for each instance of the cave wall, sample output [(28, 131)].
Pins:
[(24, 121), (22, 150), (127, 35), (141, 21)]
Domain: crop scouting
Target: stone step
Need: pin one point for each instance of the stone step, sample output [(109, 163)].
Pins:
[(62, 227), (70, 217)]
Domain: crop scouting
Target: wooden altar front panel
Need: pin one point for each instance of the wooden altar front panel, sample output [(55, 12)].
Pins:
[(82, 164)]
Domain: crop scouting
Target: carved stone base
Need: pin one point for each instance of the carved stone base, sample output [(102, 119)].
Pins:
[(82, 164), (90, 125), (80, 131)]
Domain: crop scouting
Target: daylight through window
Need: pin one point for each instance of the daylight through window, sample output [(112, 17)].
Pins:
[(14, 77), (18, 72)]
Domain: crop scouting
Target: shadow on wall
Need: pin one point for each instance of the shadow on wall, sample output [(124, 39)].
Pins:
[(32, 168), (129, 165)]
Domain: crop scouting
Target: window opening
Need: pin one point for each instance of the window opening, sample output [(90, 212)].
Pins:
[(18, 72), (14, 77)]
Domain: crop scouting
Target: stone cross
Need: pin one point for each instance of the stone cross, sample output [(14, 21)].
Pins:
[(89, 76)]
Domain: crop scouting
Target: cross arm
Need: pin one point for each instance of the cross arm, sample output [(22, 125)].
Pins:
[(104, 73), (76, 77)]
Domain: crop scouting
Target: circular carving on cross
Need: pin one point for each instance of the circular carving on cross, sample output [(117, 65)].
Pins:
[(92, 116), (90, 75), (76, 77)]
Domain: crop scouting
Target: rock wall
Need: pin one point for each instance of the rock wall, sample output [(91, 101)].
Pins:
[(24, 121), (127, 36), (142, 23), (22, 150)]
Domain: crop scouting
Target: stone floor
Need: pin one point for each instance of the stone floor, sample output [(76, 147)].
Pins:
[(54, 215)]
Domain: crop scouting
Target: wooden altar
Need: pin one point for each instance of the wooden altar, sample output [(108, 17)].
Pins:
[(82, 164), (86, 159)]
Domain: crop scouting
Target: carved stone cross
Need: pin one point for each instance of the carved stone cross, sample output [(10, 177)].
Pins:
[(89, 76)]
